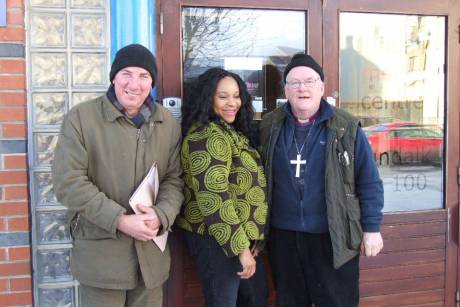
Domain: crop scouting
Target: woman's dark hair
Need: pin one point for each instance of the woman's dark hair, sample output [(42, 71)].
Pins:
[(198, 103)]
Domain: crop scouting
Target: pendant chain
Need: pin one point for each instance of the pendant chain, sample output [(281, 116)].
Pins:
[(304, 141), (297, 146)]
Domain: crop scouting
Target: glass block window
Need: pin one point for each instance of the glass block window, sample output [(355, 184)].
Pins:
[(68, 60)]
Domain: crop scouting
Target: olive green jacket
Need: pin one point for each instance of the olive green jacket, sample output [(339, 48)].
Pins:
[(100, 159), (343, 209)]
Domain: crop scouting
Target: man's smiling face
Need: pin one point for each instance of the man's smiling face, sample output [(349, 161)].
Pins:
[(132, 86)]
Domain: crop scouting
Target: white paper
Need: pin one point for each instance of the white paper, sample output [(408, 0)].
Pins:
[(146, 194), (258, 105)]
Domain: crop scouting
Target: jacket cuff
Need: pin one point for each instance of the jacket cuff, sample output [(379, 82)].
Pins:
[(109, 220), (371, 227), (163, 219)]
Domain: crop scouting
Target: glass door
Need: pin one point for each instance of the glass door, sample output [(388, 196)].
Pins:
[(255, 40), (391, 75), (390, 64)]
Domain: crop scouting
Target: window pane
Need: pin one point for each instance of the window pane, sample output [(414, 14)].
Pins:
[(248, 42), (392, 78)]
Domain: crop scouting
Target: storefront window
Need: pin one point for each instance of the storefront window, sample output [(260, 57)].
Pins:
[(256, 44), (392, 77)]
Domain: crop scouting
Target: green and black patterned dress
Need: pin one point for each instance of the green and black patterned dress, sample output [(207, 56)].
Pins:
[(224, 187)]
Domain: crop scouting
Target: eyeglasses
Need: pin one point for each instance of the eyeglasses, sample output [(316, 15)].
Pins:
[(307, 83)]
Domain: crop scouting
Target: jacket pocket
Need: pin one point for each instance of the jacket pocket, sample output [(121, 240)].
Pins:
[(84, 229), (355, 235), (73, 225)]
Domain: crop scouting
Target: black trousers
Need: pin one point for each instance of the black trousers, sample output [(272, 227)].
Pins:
[(253, 292), (304, 275)]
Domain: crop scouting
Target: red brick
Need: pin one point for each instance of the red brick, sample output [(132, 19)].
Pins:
[(14, 130), (4, 285), (14, 208), (18, 224), (14, 3), (12, 269), (12, 66), (18, 253), (12, 113), (12, 99), (12, 82), (20, 284), (14, 299), (2, 254), (15, 192), (18, 161), (15, 17), (12, 34), (2, 229), (13, 177)]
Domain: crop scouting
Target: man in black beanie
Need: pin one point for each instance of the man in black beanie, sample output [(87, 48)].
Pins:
[(106, 147), (325, 194)]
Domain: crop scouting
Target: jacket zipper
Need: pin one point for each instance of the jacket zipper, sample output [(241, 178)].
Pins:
[(138, 136), (302, 207)]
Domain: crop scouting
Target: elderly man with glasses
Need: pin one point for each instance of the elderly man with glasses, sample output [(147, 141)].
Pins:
[(325, 194)]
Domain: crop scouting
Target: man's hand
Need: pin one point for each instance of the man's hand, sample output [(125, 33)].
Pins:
[(154, 223), (249, 264), (134, 225), (372, 244)]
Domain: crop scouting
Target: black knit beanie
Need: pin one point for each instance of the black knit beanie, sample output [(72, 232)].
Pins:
[(302, 59), (134, 55)]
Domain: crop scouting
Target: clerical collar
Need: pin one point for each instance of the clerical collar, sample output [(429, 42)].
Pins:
[(310, 121)]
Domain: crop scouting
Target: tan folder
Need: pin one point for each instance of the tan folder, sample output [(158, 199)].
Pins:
[(146, 194)]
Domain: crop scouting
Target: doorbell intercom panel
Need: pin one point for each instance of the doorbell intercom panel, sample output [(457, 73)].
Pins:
[(173, 104)]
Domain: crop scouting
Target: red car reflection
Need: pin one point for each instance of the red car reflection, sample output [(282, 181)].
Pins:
[(405, 142)]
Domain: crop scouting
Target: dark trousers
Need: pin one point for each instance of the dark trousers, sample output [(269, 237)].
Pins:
[(222, 287), (304, 275), (253, 292)]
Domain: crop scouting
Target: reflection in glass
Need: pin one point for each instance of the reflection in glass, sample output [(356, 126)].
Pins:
[(54, 265), (392, 78), (49, 108), (49, 70), (48, 30), (45, 143), (56, 297), (44, 189), (248, 42), (81, 37), (53, 227)]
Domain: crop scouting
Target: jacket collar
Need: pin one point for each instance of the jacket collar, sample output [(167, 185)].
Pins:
[(111, 113)]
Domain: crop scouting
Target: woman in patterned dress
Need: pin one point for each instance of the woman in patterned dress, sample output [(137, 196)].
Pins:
[(225, 209)]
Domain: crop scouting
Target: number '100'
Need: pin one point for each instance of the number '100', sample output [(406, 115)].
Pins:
[(410, 182)]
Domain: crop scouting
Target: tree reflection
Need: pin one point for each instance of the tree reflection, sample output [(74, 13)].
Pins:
[(209, 34)]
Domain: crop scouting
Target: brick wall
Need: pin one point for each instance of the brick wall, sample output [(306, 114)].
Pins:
[(15, 253)]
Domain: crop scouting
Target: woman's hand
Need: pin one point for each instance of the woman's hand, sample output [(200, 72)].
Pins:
[(255, 250), (248, 262)]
